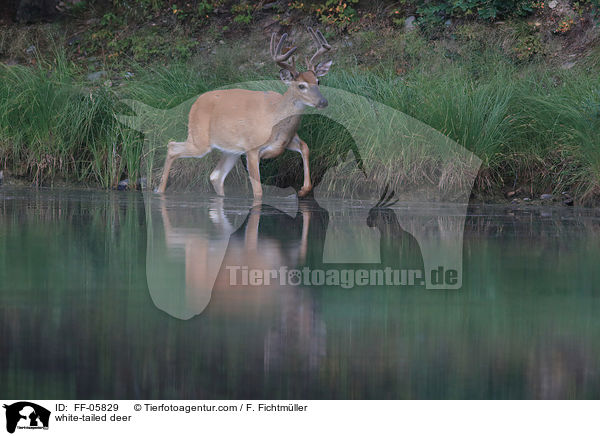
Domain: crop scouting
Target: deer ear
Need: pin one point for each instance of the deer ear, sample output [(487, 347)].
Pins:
[(322, 68), (286, 76)]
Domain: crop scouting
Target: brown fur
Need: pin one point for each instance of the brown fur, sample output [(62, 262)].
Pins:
[(308, 77)]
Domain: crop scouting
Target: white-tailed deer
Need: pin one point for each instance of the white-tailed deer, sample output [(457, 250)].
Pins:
[(256, 123)]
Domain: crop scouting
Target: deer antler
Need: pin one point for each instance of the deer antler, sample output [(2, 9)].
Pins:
[(281, 59), (322, 47), (386, 199)]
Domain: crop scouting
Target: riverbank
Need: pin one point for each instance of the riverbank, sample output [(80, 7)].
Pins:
[(526, 103)]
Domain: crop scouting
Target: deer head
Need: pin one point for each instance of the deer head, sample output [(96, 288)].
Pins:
[(304, 86)]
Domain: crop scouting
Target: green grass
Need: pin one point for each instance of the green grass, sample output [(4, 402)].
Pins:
[(52, 125), (531, 124)]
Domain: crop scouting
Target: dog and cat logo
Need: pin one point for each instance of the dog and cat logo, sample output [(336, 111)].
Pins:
[(26, 415)]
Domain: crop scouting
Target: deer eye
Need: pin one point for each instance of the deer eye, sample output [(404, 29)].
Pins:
[(302, 86)]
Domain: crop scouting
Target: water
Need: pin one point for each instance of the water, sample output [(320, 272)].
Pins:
[(112, 295)]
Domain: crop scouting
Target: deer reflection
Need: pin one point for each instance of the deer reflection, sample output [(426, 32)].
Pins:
[(195, 242), (267, 240), (398, 248)]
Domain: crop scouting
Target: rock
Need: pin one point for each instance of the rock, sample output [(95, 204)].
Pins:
[(93, 77), (74, 40), (527, 199), (123, 185), (546, 196), (552, 4), (409, 23), (567, 65)]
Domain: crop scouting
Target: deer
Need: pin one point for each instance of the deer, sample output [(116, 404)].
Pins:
[(259, 124)]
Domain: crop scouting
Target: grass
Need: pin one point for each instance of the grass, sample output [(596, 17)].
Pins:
[(51, 125), (531, 124)]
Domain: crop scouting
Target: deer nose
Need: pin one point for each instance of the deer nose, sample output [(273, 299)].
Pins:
[(322, 103)]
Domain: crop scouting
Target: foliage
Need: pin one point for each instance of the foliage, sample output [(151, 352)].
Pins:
[(527, 47), (437, 11), (339, 13), (528, 42), (342, 13), (242, 12)]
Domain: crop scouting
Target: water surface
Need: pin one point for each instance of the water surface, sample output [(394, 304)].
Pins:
[(104, 295)]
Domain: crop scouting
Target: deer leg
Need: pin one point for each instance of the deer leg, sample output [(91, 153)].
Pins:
[(217, 177), (175, 150), (252, 160), (165, 174), (297, 144)]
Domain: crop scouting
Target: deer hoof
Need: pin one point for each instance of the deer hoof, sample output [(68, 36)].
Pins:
[(304, 191), (218, 188)]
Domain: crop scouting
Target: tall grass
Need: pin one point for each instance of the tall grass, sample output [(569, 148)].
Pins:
[(531, 125), (51, 125)]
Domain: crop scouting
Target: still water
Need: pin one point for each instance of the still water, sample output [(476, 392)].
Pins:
[(120, 295)]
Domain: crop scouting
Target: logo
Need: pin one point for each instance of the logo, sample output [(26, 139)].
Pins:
[(26, 415), (348, 227)]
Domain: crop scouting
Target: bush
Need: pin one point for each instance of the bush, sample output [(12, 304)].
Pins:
[(483, 9)]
